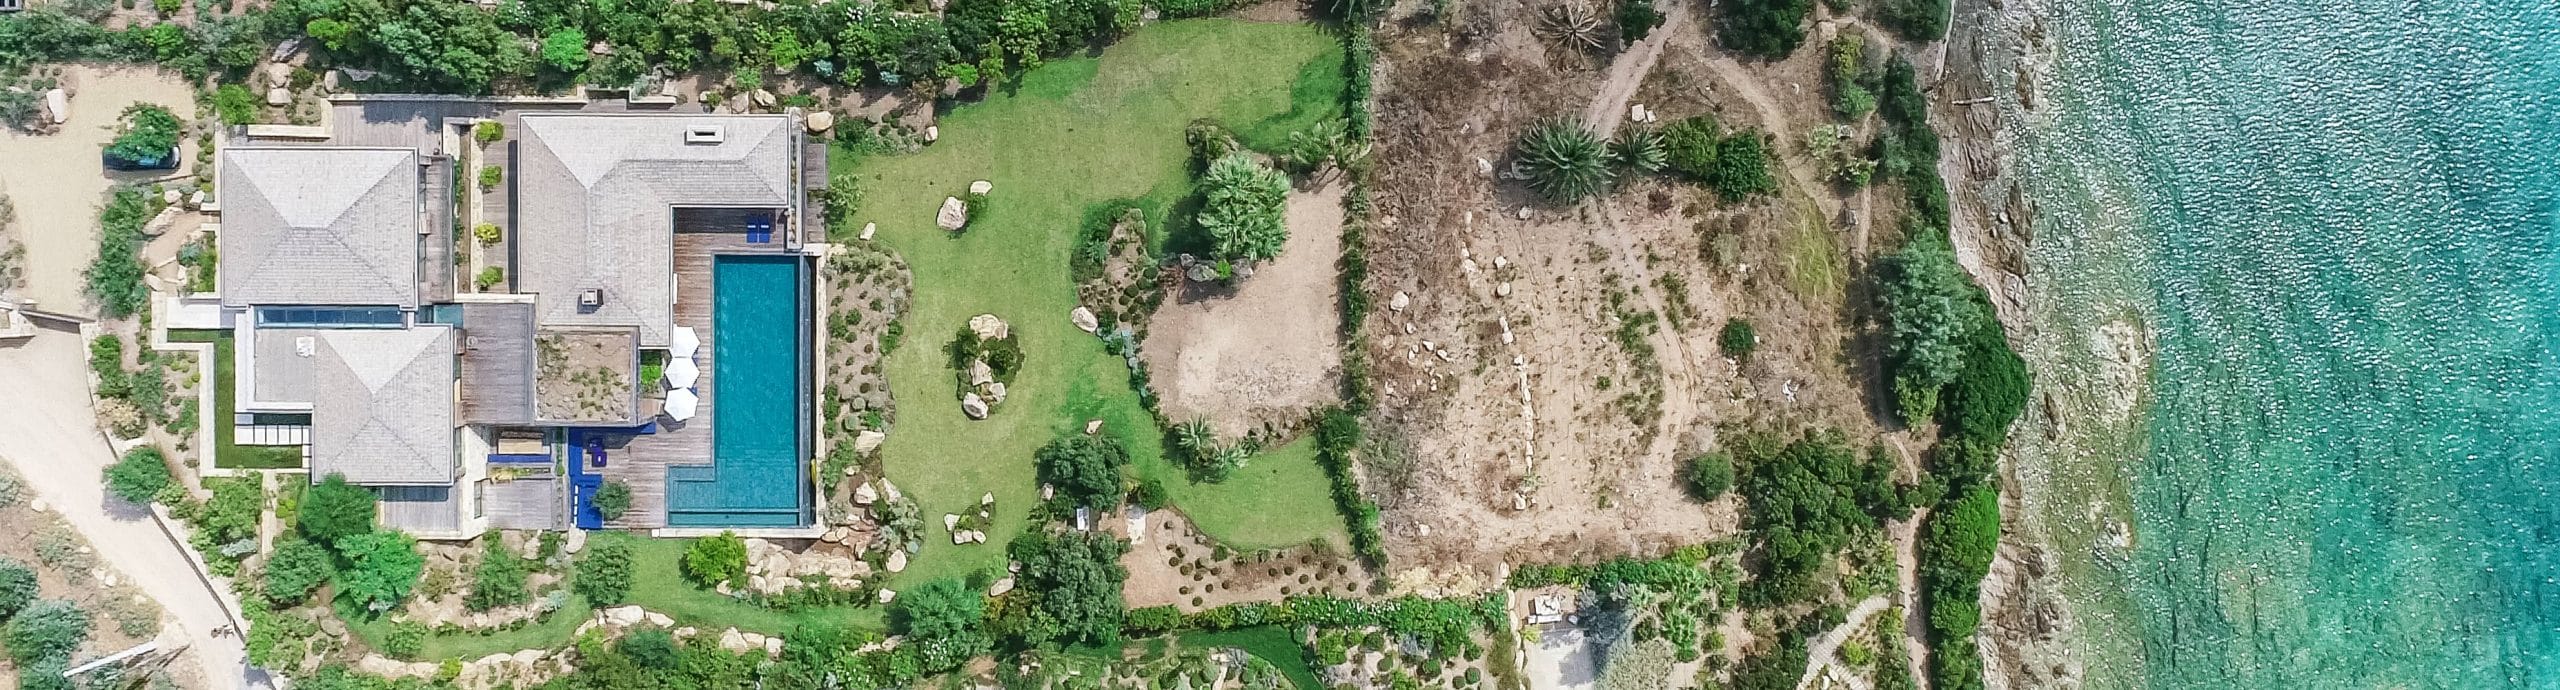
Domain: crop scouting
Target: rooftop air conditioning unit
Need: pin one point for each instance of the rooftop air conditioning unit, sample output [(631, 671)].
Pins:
[(591, 298), (705, 134)]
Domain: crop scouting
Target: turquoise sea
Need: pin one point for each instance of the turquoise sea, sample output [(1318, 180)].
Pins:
[(2329, 231)]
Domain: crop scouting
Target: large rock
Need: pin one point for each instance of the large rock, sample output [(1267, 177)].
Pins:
[(995, 392), (660, 620), (733, 641), (981, 187), (820, 121), (279, 97), (577, 542), (764, 99), (950, 521), (954, 214), (973, 406), (1084, 320), (897, 561), (869, 440), (624, 616), (888, 595), (1000, 587), (865, 495), (980, 374), (990, 327), (932, 133)]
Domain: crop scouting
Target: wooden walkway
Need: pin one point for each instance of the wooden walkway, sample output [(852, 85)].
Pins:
[(641, 461)]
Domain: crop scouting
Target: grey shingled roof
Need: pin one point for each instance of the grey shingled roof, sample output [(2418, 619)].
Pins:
[(599, 195), (320, 226), (382, 408)]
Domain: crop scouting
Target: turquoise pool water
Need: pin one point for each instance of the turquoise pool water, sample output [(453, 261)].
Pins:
[(756, 477)]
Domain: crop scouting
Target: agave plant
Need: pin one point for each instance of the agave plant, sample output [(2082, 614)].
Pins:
[(1325, 143), (1640, 148), (1563, 160), (1195, 437), (1572, 26)]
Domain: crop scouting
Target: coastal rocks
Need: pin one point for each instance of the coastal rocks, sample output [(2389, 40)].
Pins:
[(954, 214), (1084, 320)]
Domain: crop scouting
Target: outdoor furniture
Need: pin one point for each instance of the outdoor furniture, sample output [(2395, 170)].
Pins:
[(681, 403), (682, 342), (682, 373), (595, 451), (760, 231)]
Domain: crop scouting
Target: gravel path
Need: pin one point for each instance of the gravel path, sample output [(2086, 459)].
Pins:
[(50, 437)]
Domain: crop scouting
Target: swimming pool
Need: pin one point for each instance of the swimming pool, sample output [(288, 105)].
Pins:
[(756, 477)]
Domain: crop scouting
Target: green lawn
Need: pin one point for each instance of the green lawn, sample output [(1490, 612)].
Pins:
[(1268, 643), (1076, 134), (225, 454), (550, 633), (657, 584)]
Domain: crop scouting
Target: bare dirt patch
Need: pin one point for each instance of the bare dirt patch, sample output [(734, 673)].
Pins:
[(1178, 565), (1266, 354), (57, 197), (1551, 372), (68, 569)]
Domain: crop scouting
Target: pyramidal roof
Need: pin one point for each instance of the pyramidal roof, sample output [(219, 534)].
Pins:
[(383, 411), (319, 226)]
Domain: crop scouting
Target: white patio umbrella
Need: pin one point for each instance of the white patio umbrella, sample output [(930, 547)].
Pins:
[(680, 404), (683, 342), (682, 373)]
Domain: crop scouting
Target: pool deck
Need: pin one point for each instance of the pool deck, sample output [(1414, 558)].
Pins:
[(641, 462)]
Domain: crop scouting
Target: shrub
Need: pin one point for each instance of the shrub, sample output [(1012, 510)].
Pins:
[(1710, 475), (1918, 20), (604, 573), (488, 233), (1803, 508), (612, 500), (651, 648), (150, 132), (1849, 94), (1690, 146), (490, 277), (1637, 18), (491, 176), (488, 132), (1640, 148), (1085, 468), (296, 568), (1737, 339), (235, 104), (717, 559), (1152, 620), (407, 638), (46, 629), (115, 274), (1955, 554), (1991, 390), (842, 198), (499, 580), (382, 567), (1564, 161), (140, 476), (17, 588), (333, 510), (1742, 166), (1930, 308), (943, 608), (1241, 208), (1150, 494), (1766, 28), (565, 51)]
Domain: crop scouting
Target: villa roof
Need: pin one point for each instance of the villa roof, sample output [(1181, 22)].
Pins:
[(382, 400), (319, 226), (607, 187)]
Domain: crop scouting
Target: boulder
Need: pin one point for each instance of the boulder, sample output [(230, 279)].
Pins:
[(987, 499), (950, 521), (577, 542), (868, 441), (660, 620), (888, 595), (890, 490), (995, 392), (973, 406), (763, 98), (279, 97), (897, 561), (954, 214), (773, 646), (531, 549), (868, 229), (624, 616), (278, 73), (733, 642), (1000, 587), (959, 537), (981, 187), (1084, 320), (1399, 301), (820, 121), (329, 80), (1484, 167), (980, 374), (1092, 426), (687, 631), (1523, 213), (990, 327), (1503, 290), (835, 536), (57, 105), (865, 495), (754, 641), (171, 196), (932, 133)]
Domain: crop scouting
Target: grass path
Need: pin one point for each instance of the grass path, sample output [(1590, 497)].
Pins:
[(1073, 135)]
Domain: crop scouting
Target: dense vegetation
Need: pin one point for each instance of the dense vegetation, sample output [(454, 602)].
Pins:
[(1071, 583), (1242, 203), (333, 510), (1808, 497), (1085, 468), (140, 476), (115, 276), (1338, 438), (1766, 28)]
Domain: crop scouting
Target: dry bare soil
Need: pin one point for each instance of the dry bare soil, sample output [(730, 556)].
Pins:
[(1552, 423), (1267, 353)]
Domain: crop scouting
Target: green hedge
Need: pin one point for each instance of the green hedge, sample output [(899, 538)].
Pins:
[(1337, 441)]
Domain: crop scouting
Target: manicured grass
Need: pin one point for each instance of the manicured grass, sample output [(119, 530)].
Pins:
[(226, 455), (1268, 643), (550, 633), (658, 584), (1074, 135)]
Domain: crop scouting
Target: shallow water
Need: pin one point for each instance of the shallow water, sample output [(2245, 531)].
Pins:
[(2336, 221)]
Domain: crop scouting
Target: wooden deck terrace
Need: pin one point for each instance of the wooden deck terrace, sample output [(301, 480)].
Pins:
[(641, 461)]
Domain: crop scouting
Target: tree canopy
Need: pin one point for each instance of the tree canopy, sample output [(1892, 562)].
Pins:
[(1072, 581), (1086, 468), (296, 568), (381, 569), (333, 510), (140, 475), (1804, 505)]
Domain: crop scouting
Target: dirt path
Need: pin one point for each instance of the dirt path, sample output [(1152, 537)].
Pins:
[(1268, 351), (1823, 659), (1906, 562), (58, 200), (53, 441), (1627, 72)]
